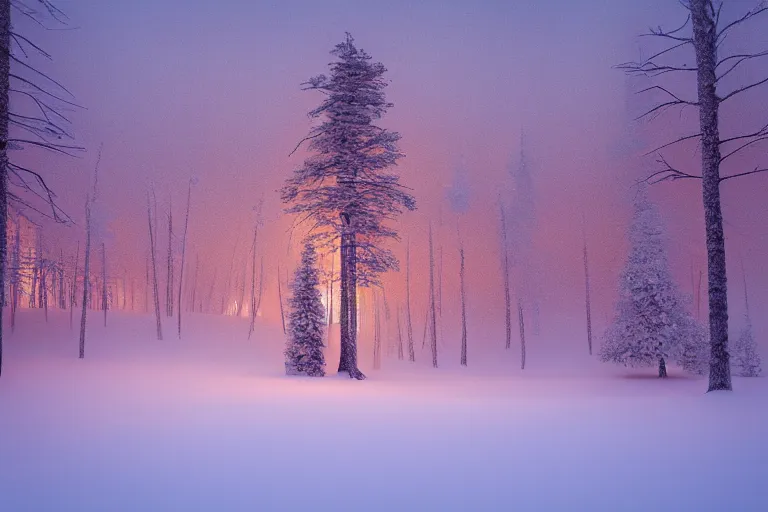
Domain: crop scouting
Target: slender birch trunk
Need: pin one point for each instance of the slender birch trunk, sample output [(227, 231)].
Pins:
[(253, 281), (280, 297), (16, 262), (408, 323), (376, 333), (330, 294), (588, 301), (505, 270), (522, 333), (86, 272), (432, 305), (400, 352), (169, 272), (155, 288), (104, 295), (183, 255), (463, 306)]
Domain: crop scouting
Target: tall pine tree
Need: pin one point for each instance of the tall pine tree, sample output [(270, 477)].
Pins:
[(344, 191), (651, 321), (304, 353)]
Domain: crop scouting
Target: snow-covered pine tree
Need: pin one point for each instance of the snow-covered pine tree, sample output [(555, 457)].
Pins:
[(650, 320), (304, 353), (345, 191), (694, 349), (745, 355)]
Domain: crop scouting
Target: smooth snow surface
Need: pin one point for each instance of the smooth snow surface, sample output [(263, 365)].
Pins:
[(210, 423)]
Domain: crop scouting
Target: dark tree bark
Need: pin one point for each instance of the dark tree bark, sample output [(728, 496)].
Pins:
[(587, 301), (505, 271), (705, 37), (408, 323), (104, 295), (432, 305), (376, 333), (183, 255), (5, 68), (155, 287), (400, 352), (463, 306), (280, 298), (16, 273), (86, 272), (169, 291), (522, 333), (662, 369)]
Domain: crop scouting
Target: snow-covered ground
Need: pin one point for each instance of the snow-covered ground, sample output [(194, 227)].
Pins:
[(210, 423)]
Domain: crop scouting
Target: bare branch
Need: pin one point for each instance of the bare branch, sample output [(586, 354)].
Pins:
[(762, 131), (681, 139), (43, 91), (755, 11), (743, 89), (16, 37), (56, 148), (739, 59), (743, 146), (757, 170), (668, 173), (660, 88), (663, 106)]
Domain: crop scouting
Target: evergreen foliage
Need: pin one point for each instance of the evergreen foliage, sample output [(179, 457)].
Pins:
[(745, 355), (651, 324), (304, 353)]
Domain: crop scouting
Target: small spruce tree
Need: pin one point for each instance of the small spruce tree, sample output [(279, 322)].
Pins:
[(304, 353), (651, 321), (694, 349), (745, 355)]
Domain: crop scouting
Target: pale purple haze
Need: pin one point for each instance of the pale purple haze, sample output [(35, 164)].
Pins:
[(212, 91)]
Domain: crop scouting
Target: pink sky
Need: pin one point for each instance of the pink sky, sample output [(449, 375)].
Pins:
[(178, 89)]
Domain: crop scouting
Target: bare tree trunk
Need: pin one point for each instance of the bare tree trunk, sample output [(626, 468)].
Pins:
[(194, 282), (16, 262), (62, 295), (183, 254), (5, 67), (588, 302), (155, 288), (522, 333), (86, 272), (44, 291), (463, 306), (40, 277), (330, 293), (505, 270), (104, 295), (409, 325), (662, 369), (705, 37), (146, 286), (400, 353), (169, 288), (241, 286), (280, 297), (376, 333), (253, 281), (432, 306)]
